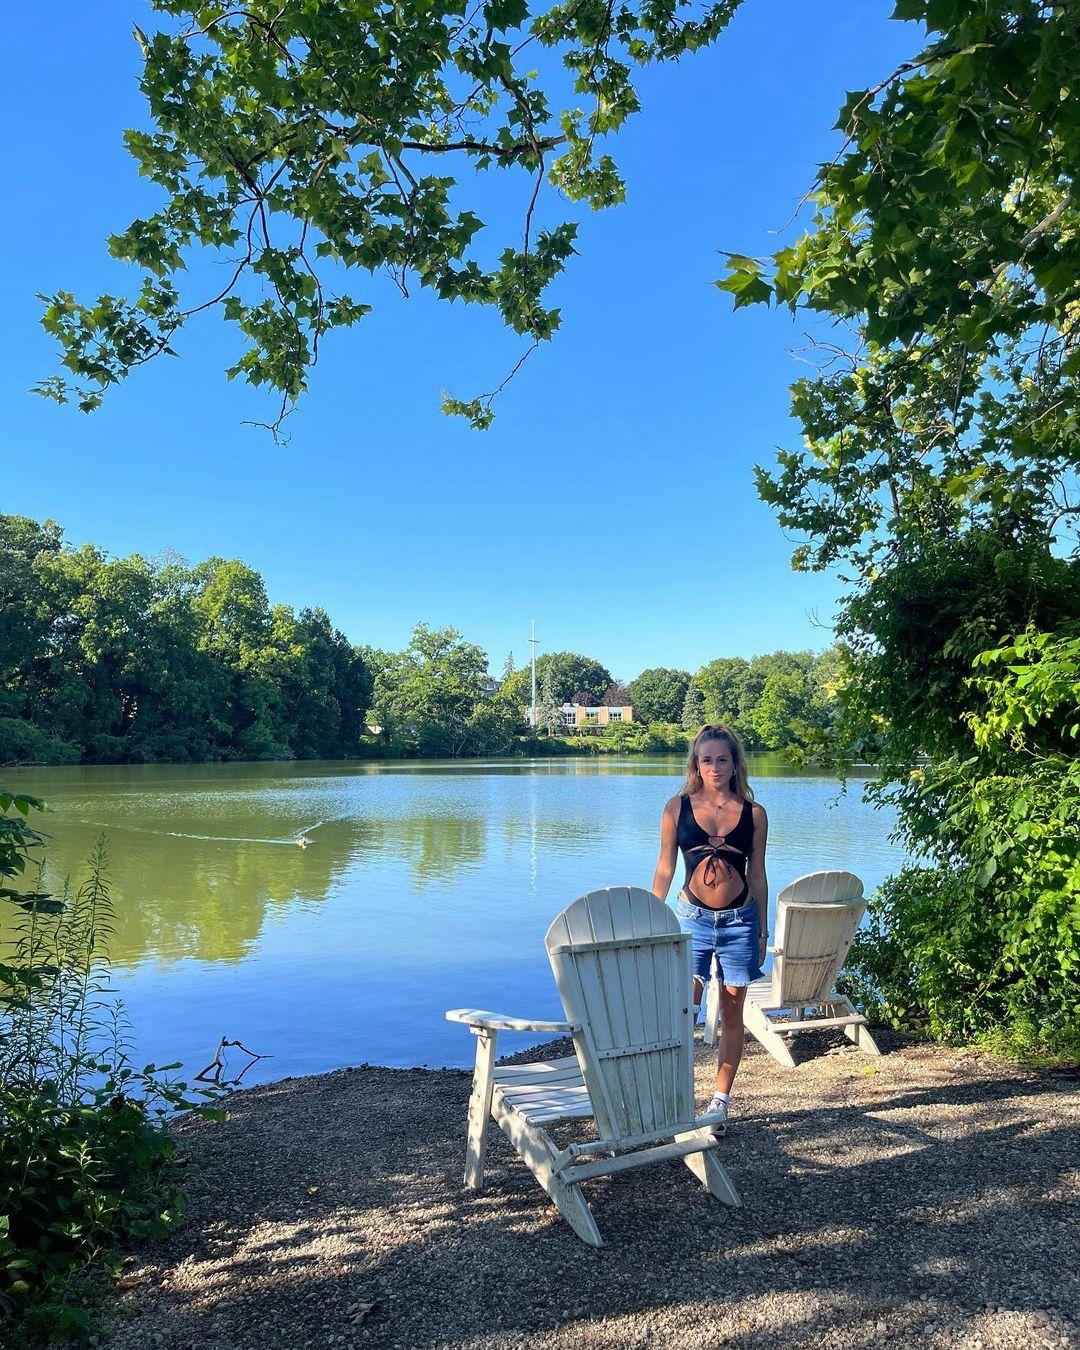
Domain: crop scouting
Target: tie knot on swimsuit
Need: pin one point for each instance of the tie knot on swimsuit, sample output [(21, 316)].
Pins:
[(713, 853)]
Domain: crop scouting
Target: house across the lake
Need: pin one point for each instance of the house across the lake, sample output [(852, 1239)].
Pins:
[(584, 714)]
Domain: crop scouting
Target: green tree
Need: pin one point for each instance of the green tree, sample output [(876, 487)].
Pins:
[(693, 709), (826, 685), (28, 636), (428, 696), (658, 694), (940, 454), (776, 717), (573, 674), (570, 673), (516, 688), (298, 141), (723, 687), (549, 711)]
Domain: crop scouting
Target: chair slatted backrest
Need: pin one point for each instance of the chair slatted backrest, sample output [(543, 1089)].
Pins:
[(622, 968), (817, 918)]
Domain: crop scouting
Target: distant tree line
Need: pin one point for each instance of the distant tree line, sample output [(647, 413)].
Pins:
[(130, 660)]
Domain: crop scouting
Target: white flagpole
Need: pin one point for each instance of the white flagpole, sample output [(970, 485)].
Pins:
[(532, 709)]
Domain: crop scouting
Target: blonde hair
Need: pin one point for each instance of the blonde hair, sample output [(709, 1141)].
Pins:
[(717, 732)]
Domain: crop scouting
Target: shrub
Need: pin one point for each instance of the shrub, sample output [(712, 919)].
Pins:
[(84, 1159), (964, 962), (21, 742), (667, 736)]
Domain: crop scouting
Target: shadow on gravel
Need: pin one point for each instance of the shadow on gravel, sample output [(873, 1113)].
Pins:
[(877, 1214)]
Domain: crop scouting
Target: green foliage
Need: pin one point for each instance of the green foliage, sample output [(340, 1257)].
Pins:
[(658, 694), (948, 232), (573, 674), (516, 689), (431, 699), (299, 141), (725, 690), (618, 738), (124, 660), (1001, 816), (693, 708), (775, 719), (84, 1160), (120, 659), (549, 709), (939, 464), (665, 738), (915, 632), (570, 674), (19, 842), (778, 701)]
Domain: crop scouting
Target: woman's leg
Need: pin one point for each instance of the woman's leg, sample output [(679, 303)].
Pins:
[(732, 998)]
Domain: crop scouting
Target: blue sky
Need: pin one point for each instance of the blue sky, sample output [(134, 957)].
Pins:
[(613, 499)]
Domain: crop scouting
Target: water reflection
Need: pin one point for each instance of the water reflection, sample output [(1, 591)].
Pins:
[(430, 848), (179, 895)]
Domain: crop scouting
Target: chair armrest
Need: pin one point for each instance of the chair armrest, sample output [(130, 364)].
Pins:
[(493, 1021)]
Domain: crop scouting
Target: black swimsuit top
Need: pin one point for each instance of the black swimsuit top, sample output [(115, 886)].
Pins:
[(715, 855)]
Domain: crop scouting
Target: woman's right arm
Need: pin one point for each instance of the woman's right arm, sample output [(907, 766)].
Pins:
[(669, 850)]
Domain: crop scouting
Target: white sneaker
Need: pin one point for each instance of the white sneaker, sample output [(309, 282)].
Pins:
[(717, 1106)]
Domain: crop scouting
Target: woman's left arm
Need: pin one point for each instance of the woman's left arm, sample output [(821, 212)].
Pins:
[(758, 881)]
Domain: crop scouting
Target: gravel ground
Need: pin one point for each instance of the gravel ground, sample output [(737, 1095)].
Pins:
[(927, 1197)]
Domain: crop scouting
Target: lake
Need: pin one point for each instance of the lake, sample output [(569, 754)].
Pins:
[(428, 885)]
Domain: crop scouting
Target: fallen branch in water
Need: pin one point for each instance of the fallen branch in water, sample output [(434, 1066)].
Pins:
[(215, 1069)]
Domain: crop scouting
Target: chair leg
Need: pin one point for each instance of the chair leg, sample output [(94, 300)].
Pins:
[(713, 1175), (758, 1025), (536, 1151), (479, 1110), (859, 1034), (708, 1168)]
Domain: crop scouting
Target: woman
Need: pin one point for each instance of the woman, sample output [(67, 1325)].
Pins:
[(723, 905)]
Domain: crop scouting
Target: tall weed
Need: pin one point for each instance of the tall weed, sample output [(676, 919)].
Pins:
[(85, 1161)]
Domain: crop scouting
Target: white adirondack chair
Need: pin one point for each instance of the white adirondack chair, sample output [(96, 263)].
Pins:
[(816, 919), (622, 968)]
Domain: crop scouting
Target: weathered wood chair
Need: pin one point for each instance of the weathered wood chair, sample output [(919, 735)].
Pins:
[(622, 969), (816, 919)]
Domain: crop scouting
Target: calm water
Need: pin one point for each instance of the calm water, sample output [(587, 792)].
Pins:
[(427, 886)]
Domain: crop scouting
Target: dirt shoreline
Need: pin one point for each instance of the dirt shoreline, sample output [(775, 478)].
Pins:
[(927, 1197)]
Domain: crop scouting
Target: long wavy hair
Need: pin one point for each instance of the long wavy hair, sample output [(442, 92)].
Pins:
[(717, 732)]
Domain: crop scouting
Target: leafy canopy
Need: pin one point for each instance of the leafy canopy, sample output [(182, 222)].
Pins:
[(433, 697), (658, 694), (304, 139), (946, 244)]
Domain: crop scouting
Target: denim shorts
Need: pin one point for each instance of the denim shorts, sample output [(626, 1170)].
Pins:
[(731, 934)]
